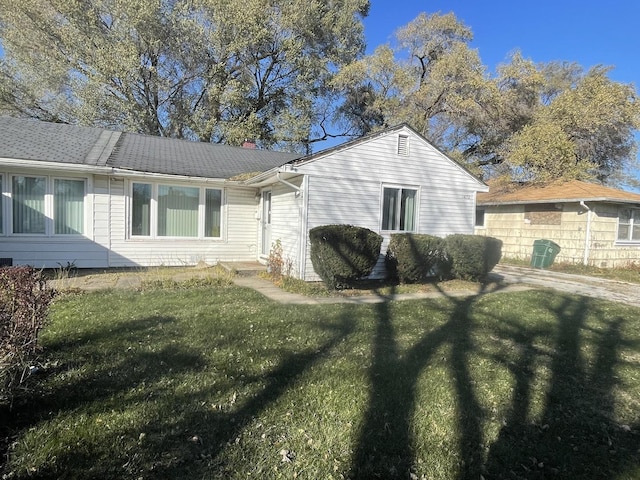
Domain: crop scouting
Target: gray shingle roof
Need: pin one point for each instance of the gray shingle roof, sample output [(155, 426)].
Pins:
[(26, 139), (180, 157)]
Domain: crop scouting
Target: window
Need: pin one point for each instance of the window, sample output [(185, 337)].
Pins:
[(179, 211), (141, 210), (629, 225), (1, 206), (28, 200), (480, 217), (212, 209), (45, 206), (68, 207), (399, 209)]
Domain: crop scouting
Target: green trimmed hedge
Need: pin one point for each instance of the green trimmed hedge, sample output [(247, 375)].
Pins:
[(472, 257), (342, 254), (413, 258)]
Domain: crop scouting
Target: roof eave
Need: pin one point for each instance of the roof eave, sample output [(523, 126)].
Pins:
[(558, 200)]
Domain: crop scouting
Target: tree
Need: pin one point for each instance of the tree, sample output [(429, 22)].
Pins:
[(210, 70), (529, 121)]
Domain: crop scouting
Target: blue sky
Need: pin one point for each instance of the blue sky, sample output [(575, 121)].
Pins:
[(587, 32)]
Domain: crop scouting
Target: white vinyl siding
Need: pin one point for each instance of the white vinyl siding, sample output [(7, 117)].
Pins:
[(68, 203), (286, 223), (235, 225), (346, 186)]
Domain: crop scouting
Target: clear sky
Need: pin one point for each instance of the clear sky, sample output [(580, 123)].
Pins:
[(587, 32)]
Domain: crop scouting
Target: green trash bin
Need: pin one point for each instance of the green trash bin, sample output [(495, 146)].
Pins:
[(544, 253)]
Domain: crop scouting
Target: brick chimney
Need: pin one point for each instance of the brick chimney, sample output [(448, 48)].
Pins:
[(249, 144)]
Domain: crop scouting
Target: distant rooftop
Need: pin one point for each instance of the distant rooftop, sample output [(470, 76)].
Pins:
[(571, 191)]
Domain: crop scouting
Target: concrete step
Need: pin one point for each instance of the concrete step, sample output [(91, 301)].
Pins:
[(244, 269)]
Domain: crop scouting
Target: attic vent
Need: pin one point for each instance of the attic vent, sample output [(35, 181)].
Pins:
[(403, 145)]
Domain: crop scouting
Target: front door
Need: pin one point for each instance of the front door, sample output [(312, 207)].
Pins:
[(266, 222)]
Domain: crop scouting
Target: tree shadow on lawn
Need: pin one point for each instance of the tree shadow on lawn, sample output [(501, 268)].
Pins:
[(576, 435), (134, 368), (218, 429), (588, 448), (185, 436)]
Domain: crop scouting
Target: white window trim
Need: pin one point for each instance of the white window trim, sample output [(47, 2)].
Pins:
[(401, 187), (153, 214), (49, 225), (627, 242)]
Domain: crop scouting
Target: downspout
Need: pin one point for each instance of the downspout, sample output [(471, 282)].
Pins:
[(109, 230), (288, 184), (587, 236)]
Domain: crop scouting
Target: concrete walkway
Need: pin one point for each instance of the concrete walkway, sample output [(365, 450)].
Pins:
[(593, 287), (508, 278), (511, 278), (269, 290)]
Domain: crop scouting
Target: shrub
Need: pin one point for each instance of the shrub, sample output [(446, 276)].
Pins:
[(413, 258), (341, 254), (275, 262), (472, 257), (24, 303)]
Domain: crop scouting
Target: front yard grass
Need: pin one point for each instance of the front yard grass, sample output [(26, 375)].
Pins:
[(218, 382)]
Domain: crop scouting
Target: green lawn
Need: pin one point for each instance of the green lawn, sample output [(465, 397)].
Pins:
[(217, 382)]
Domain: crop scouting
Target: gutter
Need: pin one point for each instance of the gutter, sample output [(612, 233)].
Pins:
[(587, 235), (71, 167)]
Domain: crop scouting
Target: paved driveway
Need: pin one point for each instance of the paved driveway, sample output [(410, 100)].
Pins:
[(613, 290)]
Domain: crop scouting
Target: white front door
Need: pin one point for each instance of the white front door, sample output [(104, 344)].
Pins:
[(266, 222)]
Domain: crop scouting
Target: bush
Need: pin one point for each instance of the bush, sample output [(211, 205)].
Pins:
[(412, 258), (472, 257), (341, 254), (24, 303)]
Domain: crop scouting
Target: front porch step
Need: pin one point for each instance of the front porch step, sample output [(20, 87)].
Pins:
[(244, 269)]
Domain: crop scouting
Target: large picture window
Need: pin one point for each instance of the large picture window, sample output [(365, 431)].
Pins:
[(399, 207), (629, 225), (178, 211)]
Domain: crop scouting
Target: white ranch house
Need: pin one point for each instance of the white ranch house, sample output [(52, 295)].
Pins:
[(97, 198)]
